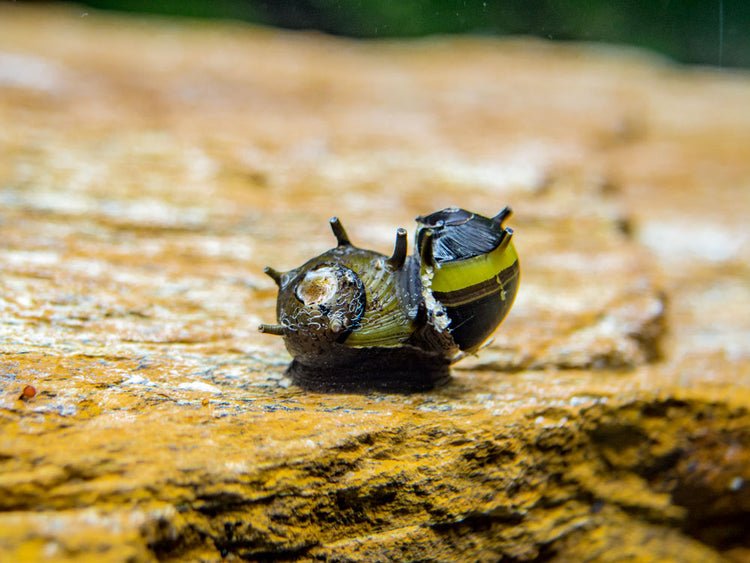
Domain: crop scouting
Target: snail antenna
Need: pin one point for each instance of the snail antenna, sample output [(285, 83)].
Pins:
[(275, 275), (396, 261), (277, 330), (503, 216), (338, 231), (425, 249)]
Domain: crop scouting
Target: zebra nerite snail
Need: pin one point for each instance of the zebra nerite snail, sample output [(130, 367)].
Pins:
[(357, 320)]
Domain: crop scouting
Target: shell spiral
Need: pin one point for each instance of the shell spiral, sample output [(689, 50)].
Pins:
[(357, 320)]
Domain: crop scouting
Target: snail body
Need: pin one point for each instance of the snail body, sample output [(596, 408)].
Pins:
[(357, 320)]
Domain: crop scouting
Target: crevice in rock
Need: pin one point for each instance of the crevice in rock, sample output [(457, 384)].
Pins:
[(654, 465), (262, 554), (703, 469)]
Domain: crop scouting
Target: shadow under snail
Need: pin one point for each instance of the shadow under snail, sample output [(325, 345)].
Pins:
[(357, 320)]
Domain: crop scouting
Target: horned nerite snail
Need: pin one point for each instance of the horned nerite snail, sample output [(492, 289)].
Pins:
[(357, 320)]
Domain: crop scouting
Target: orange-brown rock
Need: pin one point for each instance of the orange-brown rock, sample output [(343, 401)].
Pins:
[(149, 169)]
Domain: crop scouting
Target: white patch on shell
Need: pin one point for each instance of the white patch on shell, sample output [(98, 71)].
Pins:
[(318, 286), (437, 312)]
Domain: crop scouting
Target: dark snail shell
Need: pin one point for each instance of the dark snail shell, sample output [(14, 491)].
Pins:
[(356, 320), (476, 270)]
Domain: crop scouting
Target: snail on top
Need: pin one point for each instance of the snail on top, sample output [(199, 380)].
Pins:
[(357, 320)]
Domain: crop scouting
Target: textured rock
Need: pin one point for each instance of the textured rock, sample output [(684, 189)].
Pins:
[(151, 168)]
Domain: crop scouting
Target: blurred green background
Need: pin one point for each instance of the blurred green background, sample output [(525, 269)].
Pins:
[(710, 32)]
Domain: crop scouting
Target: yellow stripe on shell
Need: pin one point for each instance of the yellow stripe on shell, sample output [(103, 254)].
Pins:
[(453, 276)]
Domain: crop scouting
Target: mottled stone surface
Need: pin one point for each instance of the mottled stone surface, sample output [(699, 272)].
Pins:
[(149, 169)]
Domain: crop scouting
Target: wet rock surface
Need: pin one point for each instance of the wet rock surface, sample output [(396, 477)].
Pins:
[(151, 168)]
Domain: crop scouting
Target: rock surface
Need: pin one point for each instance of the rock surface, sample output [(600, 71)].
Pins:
[(149, 169)]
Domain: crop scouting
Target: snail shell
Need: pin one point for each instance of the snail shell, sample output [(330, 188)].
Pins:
[(357, 320)]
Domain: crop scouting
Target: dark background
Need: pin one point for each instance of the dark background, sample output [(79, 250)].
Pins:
[(709, 32)]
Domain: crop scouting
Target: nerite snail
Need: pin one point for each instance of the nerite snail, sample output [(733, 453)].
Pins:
[(357, 320)]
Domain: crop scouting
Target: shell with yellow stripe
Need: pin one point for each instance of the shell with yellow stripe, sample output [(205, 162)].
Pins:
[(357, 320), (470, 265)]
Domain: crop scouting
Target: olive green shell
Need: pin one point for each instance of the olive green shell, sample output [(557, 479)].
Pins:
[(357, 320)]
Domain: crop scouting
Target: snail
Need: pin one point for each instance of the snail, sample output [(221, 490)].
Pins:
[(357, 320)]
